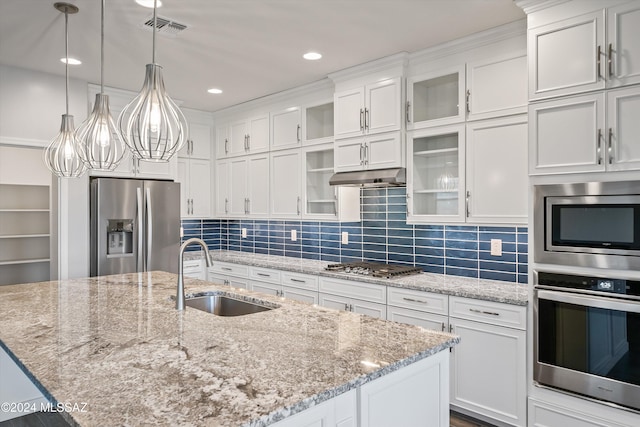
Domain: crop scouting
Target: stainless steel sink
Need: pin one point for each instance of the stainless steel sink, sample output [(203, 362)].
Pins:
[(226, 305)]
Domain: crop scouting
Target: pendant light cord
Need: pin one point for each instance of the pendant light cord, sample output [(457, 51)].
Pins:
[(155, 24), (102, 48), (66, 55)]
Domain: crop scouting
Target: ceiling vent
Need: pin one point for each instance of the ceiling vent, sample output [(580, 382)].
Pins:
[(165, 26)]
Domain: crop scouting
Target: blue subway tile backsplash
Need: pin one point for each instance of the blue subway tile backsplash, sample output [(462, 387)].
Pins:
[(383, 235)]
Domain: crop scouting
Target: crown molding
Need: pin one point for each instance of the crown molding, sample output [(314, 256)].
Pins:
[(532, 6)]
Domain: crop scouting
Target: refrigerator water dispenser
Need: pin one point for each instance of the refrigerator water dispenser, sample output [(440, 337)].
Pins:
[(120, 237)]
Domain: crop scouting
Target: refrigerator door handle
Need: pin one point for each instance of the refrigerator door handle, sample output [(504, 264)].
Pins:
[(140, 220), (149, 227)]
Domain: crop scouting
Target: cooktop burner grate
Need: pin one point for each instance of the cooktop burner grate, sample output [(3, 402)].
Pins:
[(375, 269)]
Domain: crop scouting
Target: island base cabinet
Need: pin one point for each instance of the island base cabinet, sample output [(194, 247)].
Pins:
[(16, 389), (413, 396), (488, 371), (542, 414), (341, 411)]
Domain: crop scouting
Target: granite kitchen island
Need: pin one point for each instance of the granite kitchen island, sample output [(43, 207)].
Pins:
[(117, 344)]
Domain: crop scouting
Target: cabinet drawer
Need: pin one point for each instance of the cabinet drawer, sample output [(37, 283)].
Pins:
[(264, 275), (302, 281), (432, 321), (417, 300), (265, 288), (347, 288), (229, 269), (495, 313)]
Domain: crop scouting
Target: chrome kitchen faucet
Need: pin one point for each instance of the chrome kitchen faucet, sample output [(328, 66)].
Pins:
[(180, 292)]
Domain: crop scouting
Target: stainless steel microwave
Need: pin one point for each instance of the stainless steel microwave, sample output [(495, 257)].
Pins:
[(594, 224)]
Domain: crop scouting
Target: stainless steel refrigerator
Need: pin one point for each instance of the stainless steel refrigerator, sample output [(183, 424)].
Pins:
[(135, 225)]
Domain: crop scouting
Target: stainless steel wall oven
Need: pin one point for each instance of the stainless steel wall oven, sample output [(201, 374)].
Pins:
[(587, 336)]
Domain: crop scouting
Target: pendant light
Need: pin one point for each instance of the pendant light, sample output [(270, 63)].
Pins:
[(152, 125), (61, 156), (100, 146)]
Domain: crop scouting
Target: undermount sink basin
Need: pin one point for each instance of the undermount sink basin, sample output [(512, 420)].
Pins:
[(225, 305)]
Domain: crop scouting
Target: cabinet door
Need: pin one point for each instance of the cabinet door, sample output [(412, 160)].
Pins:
[(567, 56), (285, 129), (383, 151), (497, 87), (567, 135), (200, 187), (222, 188), (200, 137), (258, 141), (349, 112), (16, 387), (348, 155), (436, 174), (333, 301), (372, 309), (319, 197), (497, 178), (158, 170), (258, 192), (623, 129), (623, 33), (238, 132), (183, 179), (265, 288), (238, 187), (384, 106), (489, 358), (436, 98), (303, 295), (436, 322), (222, 141), (286, 201)]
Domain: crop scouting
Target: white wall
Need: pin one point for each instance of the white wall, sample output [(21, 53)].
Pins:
[(31, 106)]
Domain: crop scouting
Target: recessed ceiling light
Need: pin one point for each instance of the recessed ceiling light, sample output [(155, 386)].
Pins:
[(72, 61), (312, 56), (148, 3), (215, 90)]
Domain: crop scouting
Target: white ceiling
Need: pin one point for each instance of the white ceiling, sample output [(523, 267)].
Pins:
[(248, 48)]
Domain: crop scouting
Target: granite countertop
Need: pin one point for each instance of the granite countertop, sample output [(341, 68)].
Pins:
[(483, 289), (117, 344)]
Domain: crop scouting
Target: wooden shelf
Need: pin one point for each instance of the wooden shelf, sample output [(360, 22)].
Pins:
[(319, 170), (435, 152)]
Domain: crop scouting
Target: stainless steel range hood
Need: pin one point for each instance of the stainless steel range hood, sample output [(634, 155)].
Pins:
[(371, 178)]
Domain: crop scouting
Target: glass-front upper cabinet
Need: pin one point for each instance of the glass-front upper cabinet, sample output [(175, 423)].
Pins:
[(318, 124), (436, 98), (436, 182)]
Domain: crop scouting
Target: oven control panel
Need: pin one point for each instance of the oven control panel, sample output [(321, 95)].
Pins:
[(587, 283)]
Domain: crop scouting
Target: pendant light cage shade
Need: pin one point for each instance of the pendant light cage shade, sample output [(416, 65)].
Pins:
[(152, 125), (100, 146), (61, 156)]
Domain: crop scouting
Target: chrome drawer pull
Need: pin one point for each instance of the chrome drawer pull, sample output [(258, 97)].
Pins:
[(227, 269), (490, 313), (414, 300), (298, 280), (263, 274)]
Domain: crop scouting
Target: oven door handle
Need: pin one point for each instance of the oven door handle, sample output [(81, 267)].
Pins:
[(588, 301)]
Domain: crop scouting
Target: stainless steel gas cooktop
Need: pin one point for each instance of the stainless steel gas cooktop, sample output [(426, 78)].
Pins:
[(375, 269)]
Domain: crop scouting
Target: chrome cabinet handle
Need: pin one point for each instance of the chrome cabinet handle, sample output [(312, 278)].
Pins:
[(226, 145), (610, 146), (598, 60), (366, 153), (361, 119), (298, 280), (408, 203), (467, 204), (248, 205), (414, 300), (133, 164), (346, 307), (610, 60), (490, 313), (406, 112), (298, 133), (366, 118), (227, 269), (226, 205), (599, 146), (335, 201), (361, 153), (450, 328), (467, 101), (298, 205), (263, 274), (443, 327), (249, 142)]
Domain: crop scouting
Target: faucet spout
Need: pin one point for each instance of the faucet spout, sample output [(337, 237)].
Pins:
[(180, 291)]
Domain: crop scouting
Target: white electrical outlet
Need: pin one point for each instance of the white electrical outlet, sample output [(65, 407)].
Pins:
[(345, 237), (244, 232), (294, 235), (181, 231), (496, 247)]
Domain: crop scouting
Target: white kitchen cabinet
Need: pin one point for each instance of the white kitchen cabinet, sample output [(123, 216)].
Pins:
[(248, 187), (321, 200), (248, 136), (436, 174), (222, 141), (436, 98), (296, 287), (222, 183), (286, 129), (17, 389), (131, 167), (378, 151), (623, 129), (425, 309), (198, 146), (340, 411), (496, 170), (286, 183), (491, 356), (358, 297), (587, 52), (194, 176), (194, 268), (234, 275), (317, 124), (355, 305), (497, 86), (368, 109), (549, 414)]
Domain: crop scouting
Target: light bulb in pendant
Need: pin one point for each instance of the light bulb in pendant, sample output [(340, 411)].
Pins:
[(154, 117)]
